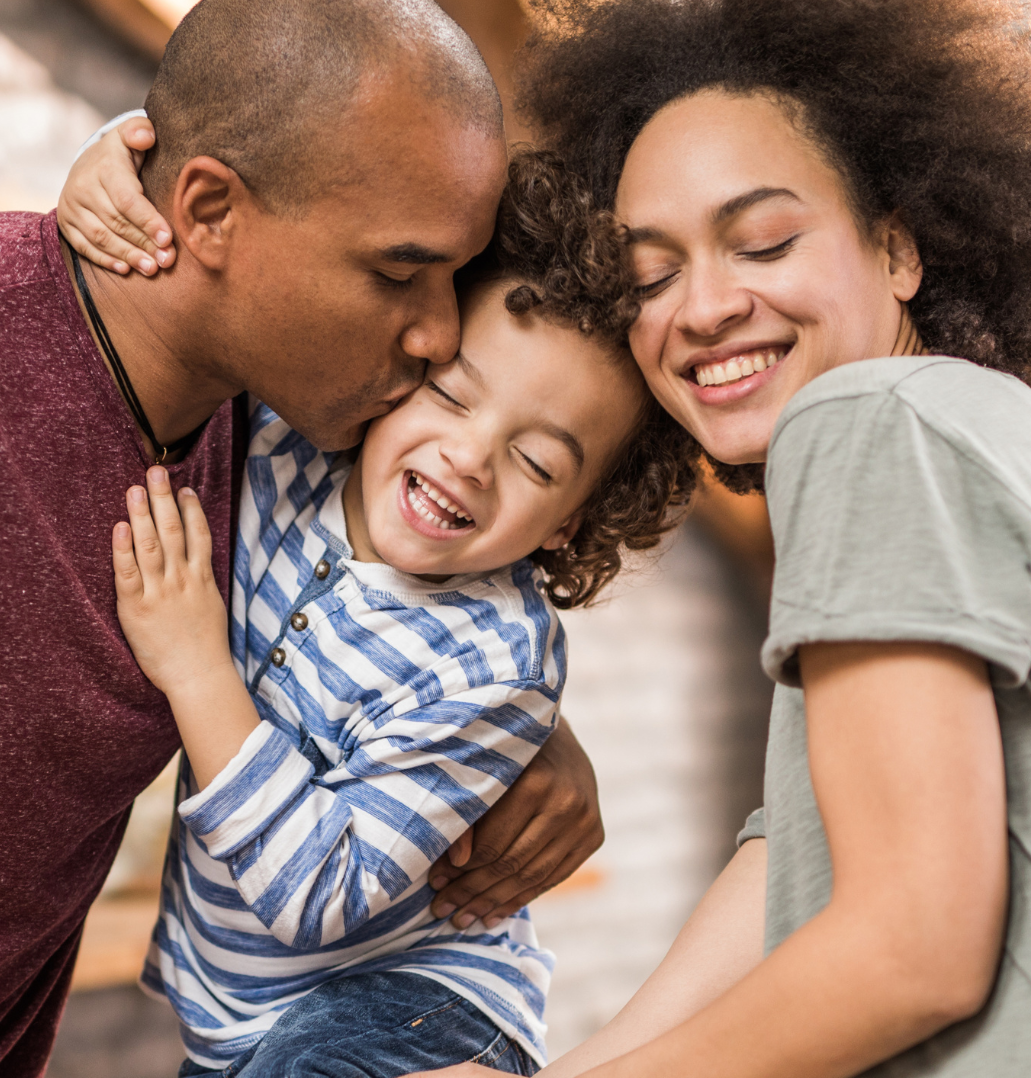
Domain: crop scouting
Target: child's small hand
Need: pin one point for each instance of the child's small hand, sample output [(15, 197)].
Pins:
[(168, 602), (103, 212)]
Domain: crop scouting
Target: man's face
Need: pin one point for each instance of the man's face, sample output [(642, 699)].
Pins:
[(334, 314)]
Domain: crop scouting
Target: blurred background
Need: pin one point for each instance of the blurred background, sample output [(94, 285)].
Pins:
[(665, 689)]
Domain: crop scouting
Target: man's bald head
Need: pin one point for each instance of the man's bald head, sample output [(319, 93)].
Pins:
[(265, 87)]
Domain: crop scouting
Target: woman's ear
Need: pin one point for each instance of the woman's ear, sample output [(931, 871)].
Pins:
[(565, 532), (905, 269)]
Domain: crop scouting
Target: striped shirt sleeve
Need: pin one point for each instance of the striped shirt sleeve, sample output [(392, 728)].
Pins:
[(316, 851)]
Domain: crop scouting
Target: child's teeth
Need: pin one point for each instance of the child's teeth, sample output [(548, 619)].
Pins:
[(759, 364), (747, 368), (771, 358)]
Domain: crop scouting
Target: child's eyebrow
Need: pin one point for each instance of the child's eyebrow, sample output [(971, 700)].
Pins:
[(568, 439), (469, 369)]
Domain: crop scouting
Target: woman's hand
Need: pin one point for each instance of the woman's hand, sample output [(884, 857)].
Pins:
[(169, 605), (103, 212)]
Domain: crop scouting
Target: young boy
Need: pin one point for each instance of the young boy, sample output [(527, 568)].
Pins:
[(393, 620)]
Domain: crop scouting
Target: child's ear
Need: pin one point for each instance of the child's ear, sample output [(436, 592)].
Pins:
[(564, 533)]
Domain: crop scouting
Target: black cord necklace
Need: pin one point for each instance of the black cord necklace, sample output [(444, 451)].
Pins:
[(120, 373)]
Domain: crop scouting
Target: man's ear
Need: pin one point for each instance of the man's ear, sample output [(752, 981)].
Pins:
[(206, 209), (565, 532), (905, 268)]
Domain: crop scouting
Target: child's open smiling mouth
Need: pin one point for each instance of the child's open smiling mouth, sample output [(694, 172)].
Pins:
[(429, 510)]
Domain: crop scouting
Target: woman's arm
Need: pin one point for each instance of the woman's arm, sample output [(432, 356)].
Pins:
[(721, 942), (103, 212), (906, 761)]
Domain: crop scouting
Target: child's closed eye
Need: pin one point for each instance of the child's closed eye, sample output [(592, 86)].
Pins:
[(434, 388), (535, 467)]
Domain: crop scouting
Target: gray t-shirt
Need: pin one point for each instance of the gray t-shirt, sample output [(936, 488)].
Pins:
[(900, 497)]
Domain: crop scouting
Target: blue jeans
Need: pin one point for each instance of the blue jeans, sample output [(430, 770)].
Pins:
[(375, 1025)]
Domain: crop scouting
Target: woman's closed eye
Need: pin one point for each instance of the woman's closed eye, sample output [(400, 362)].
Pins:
[(771, 254), (653, 288)]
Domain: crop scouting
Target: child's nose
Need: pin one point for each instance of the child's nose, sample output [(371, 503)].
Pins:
[(470, 461)]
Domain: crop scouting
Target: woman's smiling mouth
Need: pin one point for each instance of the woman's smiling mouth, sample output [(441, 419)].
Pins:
[(431, 510), (741, 366)]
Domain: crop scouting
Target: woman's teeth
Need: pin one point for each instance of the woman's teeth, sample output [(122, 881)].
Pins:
[(733, 370), (455, 517)]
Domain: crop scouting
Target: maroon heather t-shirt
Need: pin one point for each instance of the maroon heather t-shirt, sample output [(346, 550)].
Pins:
[(82, 731)]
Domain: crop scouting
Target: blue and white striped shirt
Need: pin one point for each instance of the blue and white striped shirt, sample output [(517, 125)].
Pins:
[(393, 714)]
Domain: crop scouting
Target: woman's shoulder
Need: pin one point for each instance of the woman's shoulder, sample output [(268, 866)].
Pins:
[(934, 387), (905, 404)]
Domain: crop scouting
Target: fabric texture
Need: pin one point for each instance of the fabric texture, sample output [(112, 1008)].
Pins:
[(375, 1025), (755, 827), (82, 731), (394, 713), (900, 497)]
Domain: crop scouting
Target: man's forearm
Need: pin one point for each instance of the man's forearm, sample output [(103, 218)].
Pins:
[(720, 944)]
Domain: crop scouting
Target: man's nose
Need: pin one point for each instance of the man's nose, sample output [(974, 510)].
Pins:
[(712, 301), (435, 333)]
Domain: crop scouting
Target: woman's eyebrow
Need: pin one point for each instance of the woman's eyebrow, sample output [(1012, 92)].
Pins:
[(732, 207)]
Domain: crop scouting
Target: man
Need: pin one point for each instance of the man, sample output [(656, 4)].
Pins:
[(325, 165)]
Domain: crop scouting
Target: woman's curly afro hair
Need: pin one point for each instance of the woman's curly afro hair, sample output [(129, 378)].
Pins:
[(923, 106), (564, 260)]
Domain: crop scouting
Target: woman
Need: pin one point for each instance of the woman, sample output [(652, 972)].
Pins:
[(809, 185)]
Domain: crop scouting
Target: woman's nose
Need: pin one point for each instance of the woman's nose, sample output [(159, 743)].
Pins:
[(712, 301)]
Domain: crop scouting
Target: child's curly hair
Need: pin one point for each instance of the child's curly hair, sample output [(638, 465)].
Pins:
[(924, 108), (567, 262)]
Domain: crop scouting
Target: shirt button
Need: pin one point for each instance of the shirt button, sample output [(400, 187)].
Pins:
[(278, 657), (299, 622), (322, 569)]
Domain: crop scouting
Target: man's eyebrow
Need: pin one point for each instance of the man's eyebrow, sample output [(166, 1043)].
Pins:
[(732, 207), (413, 253)]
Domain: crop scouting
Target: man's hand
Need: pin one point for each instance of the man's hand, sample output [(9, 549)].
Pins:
[(536, 836)]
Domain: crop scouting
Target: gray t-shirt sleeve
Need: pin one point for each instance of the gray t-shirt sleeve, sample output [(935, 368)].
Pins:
[(755, 827), (889, 529)]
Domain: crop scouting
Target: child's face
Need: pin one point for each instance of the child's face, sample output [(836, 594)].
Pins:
[(513, 435)]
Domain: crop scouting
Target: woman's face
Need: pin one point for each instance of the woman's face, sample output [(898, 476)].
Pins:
[(755, 276)]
